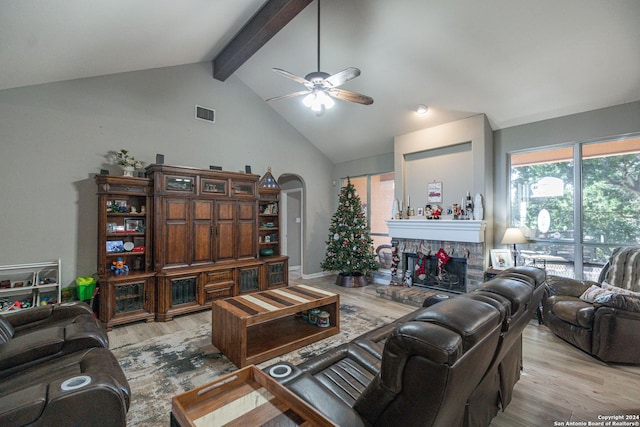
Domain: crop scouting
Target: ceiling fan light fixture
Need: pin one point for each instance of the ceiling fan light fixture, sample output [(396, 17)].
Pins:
[(318, 100), (422, 109), (322, 87)]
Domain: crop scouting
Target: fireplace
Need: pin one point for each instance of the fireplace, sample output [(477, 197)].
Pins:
[(450, 277), (463, 241)]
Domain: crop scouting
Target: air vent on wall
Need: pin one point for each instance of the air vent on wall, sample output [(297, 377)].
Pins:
[(207, 114)]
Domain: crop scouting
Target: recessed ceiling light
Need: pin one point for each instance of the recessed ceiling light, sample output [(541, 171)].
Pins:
[(422, 109)]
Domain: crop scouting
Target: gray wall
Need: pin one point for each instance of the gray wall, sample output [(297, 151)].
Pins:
[(54, 138), (463, 153), (588, 126)]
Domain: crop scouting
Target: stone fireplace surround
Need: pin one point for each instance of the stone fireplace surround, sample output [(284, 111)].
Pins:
[(459, 238)]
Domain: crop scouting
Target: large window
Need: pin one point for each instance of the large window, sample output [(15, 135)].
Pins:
[(576, 203), (376, 194)]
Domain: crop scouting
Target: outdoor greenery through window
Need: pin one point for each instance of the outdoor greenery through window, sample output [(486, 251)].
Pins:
[(376, 194), (576, 203)]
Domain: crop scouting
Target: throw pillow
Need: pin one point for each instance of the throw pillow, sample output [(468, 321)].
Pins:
[(596, 294), (618, 290), (623, 302)]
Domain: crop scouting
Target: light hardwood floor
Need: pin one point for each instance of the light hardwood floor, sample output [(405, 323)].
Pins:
[(559, 383)]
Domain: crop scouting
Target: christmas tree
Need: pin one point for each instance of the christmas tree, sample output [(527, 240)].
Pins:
[(349, 247)]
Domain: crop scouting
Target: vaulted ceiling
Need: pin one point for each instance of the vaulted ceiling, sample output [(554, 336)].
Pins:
[(516, 61)]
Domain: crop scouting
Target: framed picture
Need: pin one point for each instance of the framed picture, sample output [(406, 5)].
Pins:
[(501, 259), (133, 224), (420, 212), (115, 246), (434, 192)]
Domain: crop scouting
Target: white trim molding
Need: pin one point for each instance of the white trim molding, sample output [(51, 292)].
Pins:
[(450, 230)]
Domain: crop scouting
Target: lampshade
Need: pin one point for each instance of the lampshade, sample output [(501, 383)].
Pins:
[(318, 101), (513, 236)]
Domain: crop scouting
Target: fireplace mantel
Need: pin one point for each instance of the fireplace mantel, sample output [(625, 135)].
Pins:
[(442, 229)]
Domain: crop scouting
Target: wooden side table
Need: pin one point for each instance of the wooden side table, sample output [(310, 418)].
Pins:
[(491, 273)]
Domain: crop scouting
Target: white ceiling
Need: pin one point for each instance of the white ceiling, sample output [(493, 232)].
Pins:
[(517, 61)]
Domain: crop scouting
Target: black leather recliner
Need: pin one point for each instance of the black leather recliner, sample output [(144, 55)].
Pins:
[(449, 364)]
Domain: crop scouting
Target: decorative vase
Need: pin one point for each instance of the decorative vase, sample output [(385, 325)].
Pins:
[(127, 170), (352, 280)]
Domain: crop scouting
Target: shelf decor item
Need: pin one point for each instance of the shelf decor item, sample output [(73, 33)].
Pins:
[(349, 246), (501, 259), (434, 192), (127, 162)]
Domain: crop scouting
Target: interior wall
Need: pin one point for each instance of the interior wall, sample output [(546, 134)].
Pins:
[(463, 162), (448, 163), (588, 126), (55, 137)]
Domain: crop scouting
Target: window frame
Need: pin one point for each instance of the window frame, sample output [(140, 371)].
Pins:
[(368, 212), (577, 242)]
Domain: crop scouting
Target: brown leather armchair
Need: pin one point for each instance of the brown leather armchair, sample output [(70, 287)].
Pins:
[(79, 389), (55, 366), (607, 328), (23, 321)]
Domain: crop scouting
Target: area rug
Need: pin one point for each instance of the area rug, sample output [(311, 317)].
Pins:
[(163, 366)]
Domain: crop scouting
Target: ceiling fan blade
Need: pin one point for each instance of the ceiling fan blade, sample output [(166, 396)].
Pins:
[(293, 77), (291, 95), (347, 95), (341, 77)]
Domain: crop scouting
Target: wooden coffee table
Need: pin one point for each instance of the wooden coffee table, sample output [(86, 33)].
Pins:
[(252, 328)]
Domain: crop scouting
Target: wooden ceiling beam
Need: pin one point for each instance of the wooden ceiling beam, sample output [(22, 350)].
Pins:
[(265, 24)]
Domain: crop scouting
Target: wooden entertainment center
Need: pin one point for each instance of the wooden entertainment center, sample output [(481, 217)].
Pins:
[(187, 237)]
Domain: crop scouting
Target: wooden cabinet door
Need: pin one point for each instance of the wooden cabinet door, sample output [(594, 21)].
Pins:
[(175, 236), (247, 230), (203, 231), (225, 231)]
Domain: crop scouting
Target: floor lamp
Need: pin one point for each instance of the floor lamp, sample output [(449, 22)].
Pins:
[(513, 236)]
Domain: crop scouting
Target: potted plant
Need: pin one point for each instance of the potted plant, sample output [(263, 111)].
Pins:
[(349, 246), (127, 162)]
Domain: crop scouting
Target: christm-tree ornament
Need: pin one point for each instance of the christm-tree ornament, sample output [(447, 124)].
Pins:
[(349, 246)]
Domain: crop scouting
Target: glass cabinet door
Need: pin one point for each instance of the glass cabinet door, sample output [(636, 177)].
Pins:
[(216, 187), (243, 188), (130, 297), (178, 183), (183, 290), (249, 279)]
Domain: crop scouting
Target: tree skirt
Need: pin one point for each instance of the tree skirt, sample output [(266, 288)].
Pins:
[(161, 367)]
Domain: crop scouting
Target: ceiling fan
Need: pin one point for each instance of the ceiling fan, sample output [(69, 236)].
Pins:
[(321, 86)]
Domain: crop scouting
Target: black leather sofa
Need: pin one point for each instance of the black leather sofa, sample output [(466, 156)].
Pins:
[(453, 363), (56, 369)]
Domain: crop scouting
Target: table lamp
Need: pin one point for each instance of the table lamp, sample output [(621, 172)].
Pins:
[(513, 236)]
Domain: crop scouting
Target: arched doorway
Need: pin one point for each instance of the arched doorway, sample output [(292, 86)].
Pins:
[(292, 220)]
